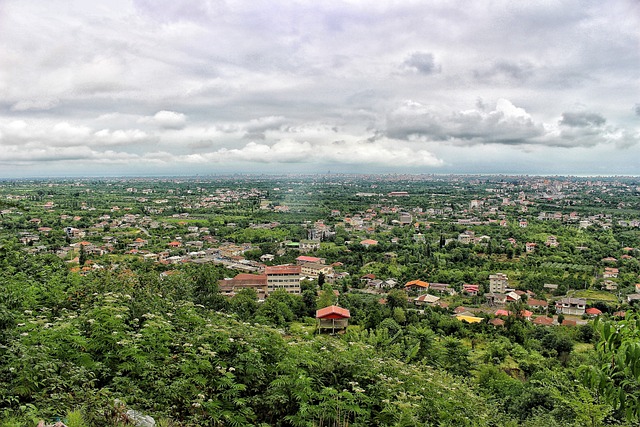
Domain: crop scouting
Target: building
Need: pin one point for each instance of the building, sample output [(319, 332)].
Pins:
[(426, 299), (498, 283), (443, 288), (314, 269), (470, 289), (285, 277), (416, 286), (303, 259), (575, 306), (333, 318), (258, 282), (309, 245)]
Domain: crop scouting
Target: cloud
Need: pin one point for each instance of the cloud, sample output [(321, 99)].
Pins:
[(423, 63), (636, 108), (582, 119), (170, 119), (504, 124), (502, 70), (386, 153)]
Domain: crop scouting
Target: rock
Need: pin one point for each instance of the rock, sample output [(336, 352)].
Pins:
[(140, 420)]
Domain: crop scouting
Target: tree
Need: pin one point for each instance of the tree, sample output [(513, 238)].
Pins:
[(616, 375), (397, 298), (327, 297)]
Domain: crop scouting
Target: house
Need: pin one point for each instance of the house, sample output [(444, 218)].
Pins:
[(416, 286), (575, 306), (633, 297), (593, 312), (537, 304), (552, 242), (495, 298), (502, 312), (498, 283), (368, 242), (309, 245), (466, 237), (470, 289), (513, 296), (333, 318), (443, 288), (426, 299), (543, 321), (530, 247), (569, 322), (267, 257), (285, 277), (496, 322), (610, 285), (610, 272)]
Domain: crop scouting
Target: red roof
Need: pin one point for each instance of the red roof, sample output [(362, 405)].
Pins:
[(593, 311), (305, 258), (503, 313), (543, 320), (333, 311)]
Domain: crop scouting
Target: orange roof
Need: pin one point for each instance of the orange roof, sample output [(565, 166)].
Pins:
[(593, 311), (333, 310), (416, 282)]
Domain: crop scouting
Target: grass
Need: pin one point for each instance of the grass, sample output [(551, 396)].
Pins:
[(594, 295)]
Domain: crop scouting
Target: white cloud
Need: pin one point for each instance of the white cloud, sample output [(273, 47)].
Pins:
[(170, 119)]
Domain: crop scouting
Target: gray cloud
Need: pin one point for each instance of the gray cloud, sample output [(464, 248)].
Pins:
[(505, 70), (582, 119), (423, 63)]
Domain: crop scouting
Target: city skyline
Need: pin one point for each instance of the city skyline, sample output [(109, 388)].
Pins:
[(204, 87)]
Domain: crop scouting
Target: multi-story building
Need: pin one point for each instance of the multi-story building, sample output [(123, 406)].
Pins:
[(498, 283), (574, 306), (285, 277)]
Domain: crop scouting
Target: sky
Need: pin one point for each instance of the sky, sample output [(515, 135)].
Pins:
[(196, 87)]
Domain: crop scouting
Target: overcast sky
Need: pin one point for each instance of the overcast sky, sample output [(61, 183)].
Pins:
[(195, 87)]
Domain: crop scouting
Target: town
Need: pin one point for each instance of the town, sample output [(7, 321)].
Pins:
[(523, 257)]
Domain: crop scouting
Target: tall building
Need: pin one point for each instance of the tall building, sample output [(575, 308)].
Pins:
[(498, 283), (285, 277)]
